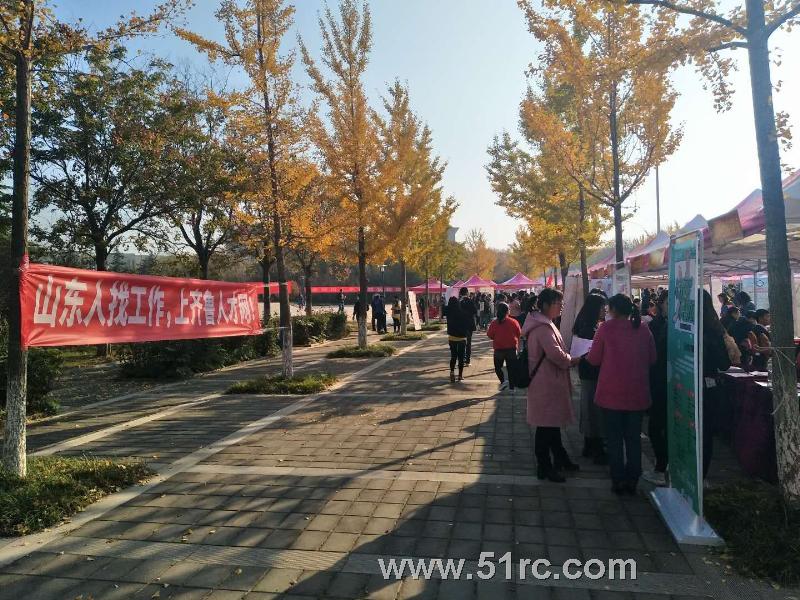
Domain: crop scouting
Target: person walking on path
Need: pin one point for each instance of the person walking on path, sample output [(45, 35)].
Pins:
[(657, 421), (457, 331), (515, 308), (486, 310), (396, 310), (550, 389), (588, 320), (624, 351), (470, 313), (504, 333), (340, 299), (378, 314)]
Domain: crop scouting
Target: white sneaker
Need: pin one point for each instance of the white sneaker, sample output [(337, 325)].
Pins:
[(655, 477), (503, 386)]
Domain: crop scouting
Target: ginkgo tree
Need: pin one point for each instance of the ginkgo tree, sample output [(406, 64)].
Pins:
[(412, 207), (713, 27), (348, 140), (613, 62), (533, 186), (31, 36), (271, 120), (478, 257), (315, 226)]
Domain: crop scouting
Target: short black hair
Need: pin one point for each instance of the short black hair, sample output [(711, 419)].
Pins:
[(750, 314), (761, 312), (463, 292)]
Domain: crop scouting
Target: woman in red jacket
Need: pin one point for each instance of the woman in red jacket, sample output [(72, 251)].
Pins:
[(504, 333), (624, 351)]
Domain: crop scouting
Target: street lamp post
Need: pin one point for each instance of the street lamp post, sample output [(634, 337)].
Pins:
[(383, 281)]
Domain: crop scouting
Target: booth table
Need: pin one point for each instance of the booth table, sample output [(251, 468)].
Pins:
[(745, 414)]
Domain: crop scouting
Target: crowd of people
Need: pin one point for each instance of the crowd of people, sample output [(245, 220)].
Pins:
[(619, 348)]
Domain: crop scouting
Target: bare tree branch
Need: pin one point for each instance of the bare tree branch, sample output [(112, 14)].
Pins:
[(728, 46), (778, 21), (687, 10)]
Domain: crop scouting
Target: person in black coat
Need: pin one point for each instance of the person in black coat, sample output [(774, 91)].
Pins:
[(458, 331), (470, 311), (715, 360), (657, 422)]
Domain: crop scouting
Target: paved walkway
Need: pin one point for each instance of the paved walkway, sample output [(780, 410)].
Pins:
[(263, 497)]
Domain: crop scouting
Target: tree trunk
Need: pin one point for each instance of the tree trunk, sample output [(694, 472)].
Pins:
[(204, 259), (582, 243), (784, 375), (564, 266), (14, 445), (362, 287), (277, 233), (403, 298), (309, 302), (265, 265), (286, 311), (427, 310), (613, 125), (101, 264)]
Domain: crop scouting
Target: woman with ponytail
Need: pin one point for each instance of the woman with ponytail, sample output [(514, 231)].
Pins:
[(624, 351), (504, 332)]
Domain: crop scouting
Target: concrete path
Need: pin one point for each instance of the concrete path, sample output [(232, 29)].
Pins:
[(263, 497)]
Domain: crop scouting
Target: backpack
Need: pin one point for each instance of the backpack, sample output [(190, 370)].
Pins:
[(519, 374)]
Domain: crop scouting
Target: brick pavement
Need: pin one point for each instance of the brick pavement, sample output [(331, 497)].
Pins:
[(303, 502)]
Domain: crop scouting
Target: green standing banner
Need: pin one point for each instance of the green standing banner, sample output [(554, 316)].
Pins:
[(681, 504)]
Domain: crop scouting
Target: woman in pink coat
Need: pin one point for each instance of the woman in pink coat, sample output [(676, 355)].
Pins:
[(550, 390)]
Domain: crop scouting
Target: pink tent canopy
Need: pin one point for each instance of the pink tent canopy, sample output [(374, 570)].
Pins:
[(520, 281), (433, 284), (477, 282), (457, 284)]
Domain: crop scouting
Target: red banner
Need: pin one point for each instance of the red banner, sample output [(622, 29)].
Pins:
[(72, 307), (332, 289)]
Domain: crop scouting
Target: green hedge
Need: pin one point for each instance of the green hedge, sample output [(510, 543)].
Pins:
[(44, 368), (179, 359), (319, 327), (183, 358)]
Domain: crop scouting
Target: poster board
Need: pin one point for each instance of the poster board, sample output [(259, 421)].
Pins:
[(621, 281), (573, 302), (412, 308), (681, 505)]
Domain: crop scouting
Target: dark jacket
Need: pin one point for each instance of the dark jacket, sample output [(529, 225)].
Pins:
[(457, 322), (470, 310), (658, 372), (715, 354), (586, 371)]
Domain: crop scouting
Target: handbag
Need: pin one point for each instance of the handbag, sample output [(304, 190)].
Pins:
[(523, 378)]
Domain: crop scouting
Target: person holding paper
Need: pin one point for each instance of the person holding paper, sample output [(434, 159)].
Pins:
[(591, 418), (624, 351)]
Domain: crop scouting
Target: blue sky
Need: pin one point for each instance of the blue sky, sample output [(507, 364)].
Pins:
[(464, 61)]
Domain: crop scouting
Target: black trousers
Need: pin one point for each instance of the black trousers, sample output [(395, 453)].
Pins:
[(710, 416), (396, 325), (657, 430), (509, 357), (468, 351), (548, 447), (457, 350)]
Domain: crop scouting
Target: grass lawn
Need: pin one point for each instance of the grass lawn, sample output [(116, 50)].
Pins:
[(371, 351), (58, 487), (83, 356), (433, 327), (761, 532), (301, 384), (411, 336)]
